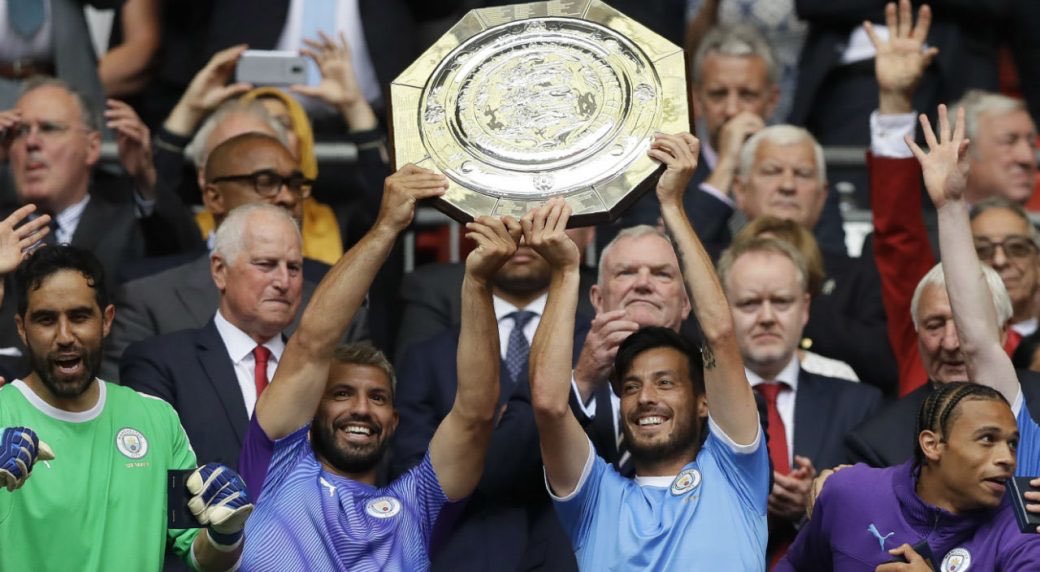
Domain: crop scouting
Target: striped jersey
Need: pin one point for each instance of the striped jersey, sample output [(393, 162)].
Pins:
[(307, 518)]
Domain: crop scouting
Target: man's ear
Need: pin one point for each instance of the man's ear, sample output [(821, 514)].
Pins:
[(702, 406), (107, 315), (596, 298), (19, 324), (774, 99), (93, 147), (218, 270), (213, 200), (931, 444)]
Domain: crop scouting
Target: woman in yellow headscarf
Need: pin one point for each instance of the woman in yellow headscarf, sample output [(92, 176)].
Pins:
[(321, 236)]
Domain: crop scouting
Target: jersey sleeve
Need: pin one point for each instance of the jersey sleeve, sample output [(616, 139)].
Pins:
[(577, 510), (264, 463), (811, 548), (1029, 441), (745, 466), (428, 495)]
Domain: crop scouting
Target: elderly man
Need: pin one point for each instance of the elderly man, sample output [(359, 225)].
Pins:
[(213, 375), (1002, 162), (247, 168), (766, 283)]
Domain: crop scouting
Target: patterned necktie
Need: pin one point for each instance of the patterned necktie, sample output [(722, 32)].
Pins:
[(777, 434), (518, 349), (260, 356), (25, 16)]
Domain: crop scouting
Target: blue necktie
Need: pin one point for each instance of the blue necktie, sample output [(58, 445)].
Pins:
[(518, 349), (318, 16), (25, 16)]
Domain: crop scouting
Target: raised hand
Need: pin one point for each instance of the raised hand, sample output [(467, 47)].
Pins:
[(544, 231), (20, 448), (208, 89), (817, 487), (17, 241), (679, 155), (902, 59), (339, 86), (496, 240), (945, 165), (607, 331), (403, 189), (134, 143), (736, 131), (9, 120), (220, 502)]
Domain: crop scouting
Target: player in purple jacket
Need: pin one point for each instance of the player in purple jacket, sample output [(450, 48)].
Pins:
[(946, 507)]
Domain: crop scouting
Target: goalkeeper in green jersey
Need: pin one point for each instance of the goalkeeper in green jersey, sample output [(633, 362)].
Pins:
[(85, 462)]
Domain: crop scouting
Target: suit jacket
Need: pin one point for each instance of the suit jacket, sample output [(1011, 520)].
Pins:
[(181, 298), (432, 300), (192, 371), (888, 438), (74, 59), (509, 518), (825, 410)]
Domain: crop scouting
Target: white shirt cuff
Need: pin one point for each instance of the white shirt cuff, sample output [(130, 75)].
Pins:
[(589, 408), (887, 132), (718, 195), (1016, 405)]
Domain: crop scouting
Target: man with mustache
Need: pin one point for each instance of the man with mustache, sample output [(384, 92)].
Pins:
[(323, 425), (108, 448), (699, 496), (213, 375)]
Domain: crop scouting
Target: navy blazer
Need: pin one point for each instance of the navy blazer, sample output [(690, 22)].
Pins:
[(509, 518), (192, 371), (825, 410)]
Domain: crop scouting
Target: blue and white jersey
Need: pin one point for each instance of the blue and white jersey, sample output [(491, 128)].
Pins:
[(309, 519), (711, 516), (1028, 441)]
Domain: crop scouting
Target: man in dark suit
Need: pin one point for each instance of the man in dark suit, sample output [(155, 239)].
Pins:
[(766, 283), (509, 516), (213, 375), (184, 297)]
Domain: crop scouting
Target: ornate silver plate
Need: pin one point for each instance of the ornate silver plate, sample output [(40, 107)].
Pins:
[(519, 104)]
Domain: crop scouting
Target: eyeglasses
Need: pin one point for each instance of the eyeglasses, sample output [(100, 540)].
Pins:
[(268, 183), (44, 130), (1013, 246)]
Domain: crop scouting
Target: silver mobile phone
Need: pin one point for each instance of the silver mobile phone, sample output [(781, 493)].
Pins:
[(271, 67)]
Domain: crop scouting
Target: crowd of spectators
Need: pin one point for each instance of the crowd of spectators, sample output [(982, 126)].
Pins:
[(211, 355)]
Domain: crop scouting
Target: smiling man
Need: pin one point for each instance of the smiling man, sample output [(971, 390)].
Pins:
[(213, 375)]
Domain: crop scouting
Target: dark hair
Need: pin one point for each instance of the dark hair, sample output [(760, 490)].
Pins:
[(51, 259), (364, 353), (938, 409), (654, 337)]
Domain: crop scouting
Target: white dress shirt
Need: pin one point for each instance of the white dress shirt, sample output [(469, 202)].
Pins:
[(785, 400), (506, 322), (68, 220), (240, 349), (13, 47)]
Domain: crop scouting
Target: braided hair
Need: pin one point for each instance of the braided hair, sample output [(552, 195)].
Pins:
[(938, 409)]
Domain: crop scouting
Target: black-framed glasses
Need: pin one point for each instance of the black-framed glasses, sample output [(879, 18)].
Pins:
[(1014, 246), (267, 183)]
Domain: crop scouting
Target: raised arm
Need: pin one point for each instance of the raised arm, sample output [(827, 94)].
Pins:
[(945, 169), (458, 446), (292, 398), (564, 445), (730, 401)]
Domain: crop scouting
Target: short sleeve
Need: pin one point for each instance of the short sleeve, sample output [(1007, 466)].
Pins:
[(1029, 439), (577, 510), (746, 466), (429, 495), (263, 462)]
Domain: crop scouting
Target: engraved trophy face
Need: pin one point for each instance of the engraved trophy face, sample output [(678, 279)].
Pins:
[(519, 104)]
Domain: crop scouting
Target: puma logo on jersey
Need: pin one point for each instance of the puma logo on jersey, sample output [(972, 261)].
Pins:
[(328, 485), (877, 534)]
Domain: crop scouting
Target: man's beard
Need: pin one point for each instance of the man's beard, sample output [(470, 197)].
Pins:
[(65, 388), (348, 459), (684, 437)]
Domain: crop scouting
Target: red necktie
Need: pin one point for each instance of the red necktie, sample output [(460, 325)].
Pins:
[(777, 434), (260, 357)]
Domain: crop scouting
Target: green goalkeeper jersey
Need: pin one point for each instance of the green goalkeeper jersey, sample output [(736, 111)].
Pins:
[(101, 503)]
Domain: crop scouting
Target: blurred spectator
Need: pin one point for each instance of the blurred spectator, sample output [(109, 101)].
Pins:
[(766, 283), (836, 86), (1025, 47), (775, 19), (51, 38), (125, 69), (665, 17)]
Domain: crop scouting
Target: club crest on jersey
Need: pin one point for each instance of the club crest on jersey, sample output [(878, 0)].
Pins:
[(956, 560), (686, 481), (383, 507), (131, 443)]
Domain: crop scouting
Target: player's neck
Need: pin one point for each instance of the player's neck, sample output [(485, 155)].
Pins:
[(78, 404), (933, 490), (366, 477), (664, 467)]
